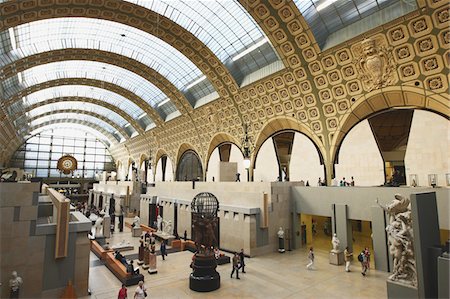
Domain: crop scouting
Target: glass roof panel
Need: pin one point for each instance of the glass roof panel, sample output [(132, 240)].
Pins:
[(62, 128), (81, 117), (91, 70), (63, 33), (326, 17), (224, 26), (116, 118), (80, 91)]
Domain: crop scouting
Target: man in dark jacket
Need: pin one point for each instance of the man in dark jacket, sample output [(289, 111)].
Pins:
[(241, 259)]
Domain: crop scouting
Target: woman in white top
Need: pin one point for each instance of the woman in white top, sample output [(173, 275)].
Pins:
[(140, 292)]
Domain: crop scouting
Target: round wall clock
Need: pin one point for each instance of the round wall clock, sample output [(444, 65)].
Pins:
[(67, 164)]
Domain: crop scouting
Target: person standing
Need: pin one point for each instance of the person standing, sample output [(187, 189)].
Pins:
[(141, 291), (367, 259), (241, 260), (14, 285), (235, 265), (347, 257), (163, 249), (122, 292), (311, 259)]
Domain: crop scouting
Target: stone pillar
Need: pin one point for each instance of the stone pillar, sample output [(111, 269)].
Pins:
[(342, 226), (379, 238)]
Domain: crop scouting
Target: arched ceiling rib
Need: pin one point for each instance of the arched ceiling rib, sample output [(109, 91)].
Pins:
[(131, 15), (80, 116), (113, 117), (89, 82), (161, 82), (85, 100), (112, 140), (31, 96), (78, 126), (71, 113), (126, 79)]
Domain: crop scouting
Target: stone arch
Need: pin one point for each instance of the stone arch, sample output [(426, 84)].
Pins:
[(216, 140), (159, 153), (96, 115), (181, 149), (113, 108), (15, 13), (382, 100), (90, 82), (283, 124), (142, 159), (178, 99)]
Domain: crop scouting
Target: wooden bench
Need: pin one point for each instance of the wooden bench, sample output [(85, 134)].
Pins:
[(98, 250), (190, 245), (145, 228), (119, 270)]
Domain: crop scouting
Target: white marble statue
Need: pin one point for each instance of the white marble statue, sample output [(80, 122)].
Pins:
[(400, 236), (14, 285), (335, 242), (136, 222), (159, 221), (97, 228), (280, 233)]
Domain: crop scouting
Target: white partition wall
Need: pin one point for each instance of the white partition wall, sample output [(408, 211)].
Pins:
[(305, 161), (169, 171), (213, 166), (360, 157), (266, 166), (237, 157), (428, 148)]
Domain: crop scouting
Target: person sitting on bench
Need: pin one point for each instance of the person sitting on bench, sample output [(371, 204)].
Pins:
[(131, 269), (121, 258)]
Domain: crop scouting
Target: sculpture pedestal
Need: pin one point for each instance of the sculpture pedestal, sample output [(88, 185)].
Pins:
[(396, 290), (141, 255), (136, 231), (152, 264), (204, 277), (336, 258), (146, 264), (281, 245)]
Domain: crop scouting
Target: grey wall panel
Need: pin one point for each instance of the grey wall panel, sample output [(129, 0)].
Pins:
[(426, 235), (317, 201), (342, 229), (379, 238)]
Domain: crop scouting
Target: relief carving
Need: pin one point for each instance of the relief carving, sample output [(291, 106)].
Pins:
[(375, 64)]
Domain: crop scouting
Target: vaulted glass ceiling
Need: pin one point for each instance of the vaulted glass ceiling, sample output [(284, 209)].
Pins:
[(114, 117), (63, 33), (82, 91), (67, 130), (225, 27), (326, 17), (91, 70), (80, 118)]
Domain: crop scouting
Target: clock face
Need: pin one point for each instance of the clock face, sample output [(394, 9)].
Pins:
[(67, 164)]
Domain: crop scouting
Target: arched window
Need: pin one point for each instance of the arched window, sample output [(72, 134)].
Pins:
[(189, 168)]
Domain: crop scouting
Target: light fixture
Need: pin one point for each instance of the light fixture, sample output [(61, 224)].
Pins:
[(246, 146)]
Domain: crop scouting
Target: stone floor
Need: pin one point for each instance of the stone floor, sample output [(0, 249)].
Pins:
[(269, 276)]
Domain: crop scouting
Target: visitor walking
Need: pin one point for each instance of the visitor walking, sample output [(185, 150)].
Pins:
[(241, 260), (141, 291), (235, 264), (163, 249), (347, 257), (367, 259), (122, 292), (311, 259)]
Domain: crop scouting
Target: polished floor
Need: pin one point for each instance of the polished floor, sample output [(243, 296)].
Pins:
[(269, 276)]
